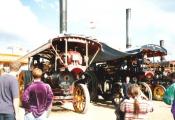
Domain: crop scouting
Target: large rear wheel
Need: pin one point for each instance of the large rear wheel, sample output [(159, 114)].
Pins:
[(81, 98), (158, 92), (24, 78)]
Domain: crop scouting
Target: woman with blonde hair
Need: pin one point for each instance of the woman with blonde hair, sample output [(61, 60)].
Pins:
[(135, 107)]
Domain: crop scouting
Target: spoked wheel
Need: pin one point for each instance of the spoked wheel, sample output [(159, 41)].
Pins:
[(158, 92), (117, 99), (24, 78), (146, 90), (118, 96), (81, 98)]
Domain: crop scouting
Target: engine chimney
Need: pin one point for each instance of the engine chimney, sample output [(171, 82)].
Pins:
[(63, 16), (162, 58), (128, 17)]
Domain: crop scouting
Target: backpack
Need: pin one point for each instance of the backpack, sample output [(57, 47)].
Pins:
[(169, 94)]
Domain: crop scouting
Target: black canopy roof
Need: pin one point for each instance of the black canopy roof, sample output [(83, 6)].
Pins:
[(151, 50), (107, 53)]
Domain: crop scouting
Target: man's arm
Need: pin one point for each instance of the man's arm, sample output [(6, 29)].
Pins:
[(25, 99), (16, 108), (15, 96), (49, 97), (49, 100)]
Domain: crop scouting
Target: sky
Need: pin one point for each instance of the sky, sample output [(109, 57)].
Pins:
[(28, 24)]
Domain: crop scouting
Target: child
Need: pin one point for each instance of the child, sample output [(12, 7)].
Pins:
[(135, 107)]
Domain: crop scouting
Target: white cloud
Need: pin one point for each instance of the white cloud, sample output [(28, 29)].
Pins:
[(38, 1), (18, 20), (154, 24), (149, 22)]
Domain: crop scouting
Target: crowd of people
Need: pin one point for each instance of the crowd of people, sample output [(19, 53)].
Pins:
[(136, 106), (36, 99)]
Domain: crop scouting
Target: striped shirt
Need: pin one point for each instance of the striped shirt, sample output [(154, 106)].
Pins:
[(127, 106)]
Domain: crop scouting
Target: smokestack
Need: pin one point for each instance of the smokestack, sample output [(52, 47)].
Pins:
[(162, 58), (128, 17), (63, 16), (162, 43)]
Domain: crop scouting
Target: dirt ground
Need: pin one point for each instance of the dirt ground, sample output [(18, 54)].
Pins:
[(104, 112)]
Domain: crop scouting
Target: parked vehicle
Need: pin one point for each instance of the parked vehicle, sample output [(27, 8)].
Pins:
[(160, 80), (108, 73), (63, 60), (153, 71), (111, 67)]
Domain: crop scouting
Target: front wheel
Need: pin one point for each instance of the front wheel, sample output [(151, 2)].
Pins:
[(158, 92), (81, 98)]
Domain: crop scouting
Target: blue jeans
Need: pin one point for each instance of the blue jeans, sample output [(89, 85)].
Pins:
[(7, 116)]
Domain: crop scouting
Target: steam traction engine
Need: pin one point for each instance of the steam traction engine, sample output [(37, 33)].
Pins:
[(108, 72), (111, 67), (153, 72), (63, 60)]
